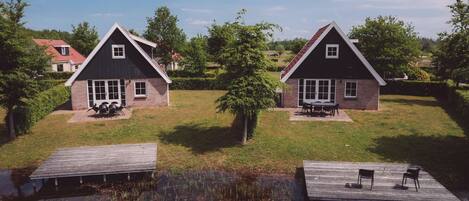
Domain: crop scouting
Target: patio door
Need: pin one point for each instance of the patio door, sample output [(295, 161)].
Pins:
[(106, 91), (316, 90)]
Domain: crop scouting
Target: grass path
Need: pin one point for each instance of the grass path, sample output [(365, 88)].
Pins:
[(190, 134)]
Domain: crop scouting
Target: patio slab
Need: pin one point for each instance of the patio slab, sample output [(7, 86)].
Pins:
[(89, 116), (297, 115)]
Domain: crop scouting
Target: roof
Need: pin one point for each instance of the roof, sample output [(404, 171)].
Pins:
[(74, 56), (131, 39), (314, 42)]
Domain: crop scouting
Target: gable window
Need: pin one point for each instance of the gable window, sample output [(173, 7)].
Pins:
[(140, 89), (332, 51), (64, 51), (350, 89), (118, 51), (60, 68)]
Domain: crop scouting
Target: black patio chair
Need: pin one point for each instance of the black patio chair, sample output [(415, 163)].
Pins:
[(329, 110), (366, 174), (336, 108), (412, 173), (305, 108)]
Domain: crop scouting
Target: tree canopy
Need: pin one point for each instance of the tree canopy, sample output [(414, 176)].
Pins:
[(163, 30), (219, 37), (389, 44), (195, 56), (84, 38)]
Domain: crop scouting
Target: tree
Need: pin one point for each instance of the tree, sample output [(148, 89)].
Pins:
[(21, 61), (163, 30), (388, 44), (280, 49), (451, 56), (250, 90), (134, 32), (195, 58), (219, 36), (84, 38)]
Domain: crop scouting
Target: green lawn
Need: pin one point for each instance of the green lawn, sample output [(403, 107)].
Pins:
[(190, 134)]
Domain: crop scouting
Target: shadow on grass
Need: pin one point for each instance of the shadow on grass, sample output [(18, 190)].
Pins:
[(200, 138), (412, 102), (443, 157)]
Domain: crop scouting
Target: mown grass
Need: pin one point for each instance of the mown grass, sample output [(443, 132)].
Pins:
[(191, 135)]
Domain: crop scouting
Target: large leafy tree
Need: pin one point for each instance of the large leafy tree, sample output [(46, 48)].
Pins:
[(250, 90), (21, 62), (452, 53), (163, 30), (389, 44), (195, 57), (84, 38), (219, 37)]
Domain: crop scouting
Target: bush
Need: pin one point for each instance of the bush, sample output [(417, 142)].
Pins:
[(57, 75), (275, 68), (47, 84), (185, 73), (416, 88), (197, 84), (38, 107), (459, 100), (418, 74)]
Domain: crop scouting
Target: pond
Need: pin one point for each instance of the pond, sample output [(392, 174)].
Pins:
[(167, 185)]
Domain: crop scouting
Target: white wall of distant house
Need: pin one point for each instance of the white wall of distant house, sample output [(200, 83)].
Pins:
[(67, 67)]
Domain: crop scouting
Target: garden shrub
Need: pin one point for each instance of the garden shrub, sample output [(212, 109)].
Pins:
[(186, 73), (47, 84), (57, 75), (416, 88), (197, 84), (39, 106), (418, 74), (274, 68)]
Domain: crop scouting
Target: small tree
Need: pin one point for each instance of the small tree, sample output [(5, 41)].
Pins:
[(21, 61), (163, 30), (219, 37), (250, 89), (452, 53), (84, 38), (388, 44), (195, 58)]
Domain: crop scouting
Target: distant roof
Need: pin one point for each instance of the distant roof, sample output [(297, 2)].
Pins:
[(74, 56)]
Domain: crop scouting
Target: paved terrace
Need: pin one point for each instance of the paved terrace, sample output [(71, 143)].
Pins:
[(98, 160), (337, 181)]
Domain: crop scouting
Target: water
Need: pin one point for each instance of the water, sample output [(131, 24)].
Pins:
[(167, 185)]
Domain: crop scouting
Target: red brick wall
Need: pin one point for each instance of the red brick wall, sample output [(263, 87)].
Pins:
[(367, 95), (157, 93)]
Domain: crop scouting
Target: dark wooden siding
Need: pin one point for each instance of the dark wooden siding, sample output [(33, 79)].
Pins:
[(146, 48), (347, 66), (102, 66)]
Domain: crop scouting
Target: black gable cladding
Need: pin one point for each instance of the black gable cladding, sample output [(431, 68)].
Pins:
[(148, 49), (347, 66), (103, 66)]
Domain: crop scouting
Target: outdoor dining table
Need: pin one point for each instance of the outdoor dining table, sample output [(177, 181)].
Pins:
[(319, 104)]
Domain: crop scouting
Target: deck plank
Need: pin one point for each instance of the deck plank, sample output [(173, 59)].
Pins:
[(98, 160), (328, 181)]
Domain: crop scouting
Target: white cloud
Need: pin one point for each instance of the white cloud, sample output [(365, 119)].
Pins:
[(198, 22), (197, 10), (107, 15)]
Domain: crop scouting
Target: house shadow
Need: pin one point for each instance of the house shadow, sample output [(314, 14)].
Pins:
[(200, 138), (445, 157), (412, 102)]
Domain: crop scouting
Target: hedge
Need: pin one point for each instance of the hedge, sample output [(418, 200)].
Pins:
[(459, 101), (38, 107), (275, 68), (57, 75), (197, 84), (185, 73), (47, 84)]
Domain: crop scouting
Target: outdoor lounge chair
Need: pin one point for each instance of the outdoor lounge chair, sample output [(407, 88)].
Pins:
[(366, 174), (412, 173)]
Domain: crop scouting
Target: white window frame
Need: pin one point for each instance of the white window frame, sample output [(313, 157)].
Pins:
[(135, 90), (316, 90), (123, 51), (356, 89), (327, 51), (106, 91)]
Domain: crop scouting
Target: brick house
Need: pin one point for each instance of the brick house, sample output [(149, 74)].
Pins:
[(329, 68), (64, 57), (121, 69)]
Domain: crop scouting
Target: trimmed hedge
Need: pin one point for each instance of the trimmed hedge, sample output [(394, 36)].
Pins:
[(197, 84), (459, 101), (57, 75), (38, 107), (416, 88), (185, 73), (47, 84)]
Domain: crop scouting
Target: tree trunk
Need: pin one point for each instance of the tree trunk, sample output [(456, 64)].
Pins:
[(245, 133), (11, 124)]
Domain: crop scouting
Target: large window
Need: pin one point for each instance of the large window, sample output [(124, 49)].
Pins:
[(314, 90), (140, 89), (118, 51), (332, 51), (350, 89)]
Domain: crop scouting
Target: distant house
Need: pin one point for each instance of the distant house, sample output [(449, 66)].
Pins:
[(120, 69), (330, 68), (64, 57)]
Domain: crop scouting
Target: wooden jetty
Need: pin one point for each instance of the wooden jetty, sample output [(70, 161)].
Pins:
[(98, 160), (338, 181)]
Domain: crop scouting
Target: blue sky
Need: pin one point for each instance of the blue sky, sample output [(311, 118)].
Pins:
[(298, 18)]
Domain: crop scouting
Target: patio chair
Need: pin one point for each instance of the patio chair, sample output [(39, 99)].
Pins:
[(305, 108), (329, 109), (412, 173), (336, 108), (366, 174), (317, 109)]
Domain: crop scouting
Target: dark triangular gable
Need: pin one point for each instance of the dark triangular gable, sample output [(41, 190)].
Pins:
[(347, 66), (103, 66)]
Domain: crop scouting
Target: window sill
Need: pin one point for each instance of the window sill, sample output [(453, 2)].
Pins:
[(140, 96)]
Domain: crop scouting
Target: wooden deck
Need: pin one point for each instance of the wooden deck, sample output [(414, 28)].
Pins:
[(338, 181), (98, 160)]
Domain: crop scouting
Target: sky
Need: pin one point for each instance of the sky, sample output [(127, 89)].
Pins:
[(298, 18)]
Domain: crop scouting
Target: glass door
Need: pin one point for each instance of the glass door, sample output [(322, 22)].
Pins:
[(106, 91), (317, 90)]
